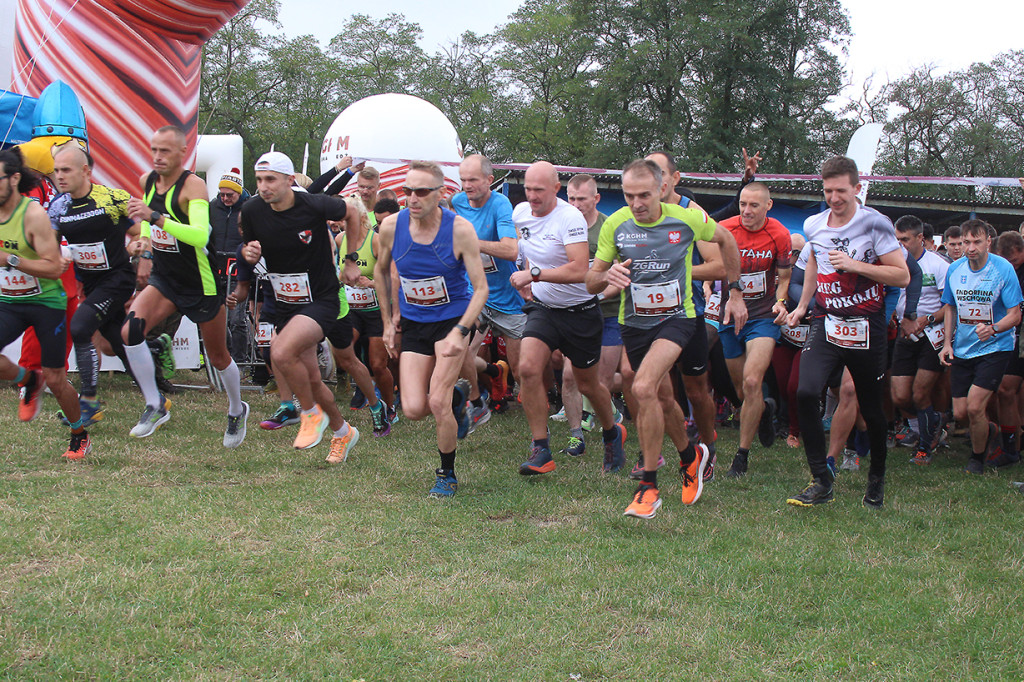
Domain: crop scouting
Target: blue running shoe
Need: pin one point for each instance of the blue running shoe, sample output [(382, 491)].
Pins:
[(540, 462), (445, 485)]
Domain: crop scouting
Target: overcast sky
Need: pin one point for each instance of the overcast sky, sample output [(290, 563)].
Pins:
[(890, 36)]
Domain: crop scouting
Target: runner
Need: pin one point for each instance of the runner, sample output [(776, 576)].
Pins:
[(491, 216), (94, 221), (175, 217), (561, 315), (652, 242), (981, 300), (289, 230), (364, 312), (434, 251), (1011, 247), (765, 252), (915, 366), (31, 295), (853, 253)]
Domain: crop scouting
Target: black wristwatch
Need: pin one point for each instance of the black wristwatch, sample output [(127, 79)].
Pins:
[(154, 217), (354, 256), (147, 255), (463, 329), (535, 273), (910, 316), (737, 285)]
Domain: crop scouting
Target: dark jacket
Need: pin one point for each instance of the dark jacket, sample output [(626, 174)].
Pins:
[(224, 234)]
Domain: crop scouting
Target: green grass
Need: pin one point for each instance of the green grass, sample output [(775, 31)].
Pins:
[(172, 558)]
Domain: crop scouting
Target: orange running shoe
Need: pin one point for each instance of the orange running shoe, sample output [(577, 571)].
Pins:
[(499, 386), (311, 429), (341, 446), (692, 476), (80, 446), (645, 502), (29, 403)]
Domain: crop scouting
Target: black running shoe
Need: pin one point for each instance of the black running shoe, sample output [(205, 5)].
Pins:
[(739, 466), (975, 466), (766, 429), (875, 494), (816, 492)]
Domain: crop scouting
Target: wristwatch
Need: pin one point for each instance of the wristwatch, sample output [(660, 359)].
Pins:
[(147, 255), (930, 318), (354, 256), (737, 285), (995, 329), (910, 316), (463, 329), (13, 261), (155, 217), (535, 273)]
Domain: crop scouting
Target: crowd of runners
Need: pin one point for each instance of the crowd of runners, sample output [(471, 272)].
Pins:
[(849, 340)]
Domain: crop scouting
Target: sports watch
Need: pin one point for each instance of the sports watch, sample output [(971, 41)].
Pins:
[(154, 217), (13, 261), (535, 273), (737, 285), (354, 256)]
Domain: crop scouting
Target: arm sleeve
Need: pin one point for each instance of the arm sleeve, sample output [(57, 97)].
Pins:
[(914, 288), (330, 182), (197, 232), (335, 208), (244, 272), (733, 207)]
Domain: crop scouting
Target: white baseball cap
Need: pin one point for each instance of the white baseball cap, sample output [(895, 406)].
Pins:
[(277, 162)]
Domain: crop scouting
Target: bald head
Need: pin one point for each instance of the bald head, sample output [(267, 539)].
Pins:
[(541, 185), (72, 171), (72, 153)]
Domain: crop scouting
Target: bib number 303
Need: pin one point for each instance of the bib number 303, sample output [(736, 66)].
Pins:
[(847, 333)]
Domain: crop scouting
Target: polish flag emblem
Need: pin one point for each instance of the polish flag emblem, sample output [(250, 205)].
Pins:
[(675, 237)]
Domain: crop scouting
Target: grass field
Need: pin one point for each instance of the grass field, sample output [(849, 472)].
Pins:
[(172, 558)]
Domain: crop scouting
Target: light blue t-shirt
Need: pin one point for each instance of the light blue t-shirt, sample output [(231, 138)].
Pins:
[(493, 222), (978, 297)]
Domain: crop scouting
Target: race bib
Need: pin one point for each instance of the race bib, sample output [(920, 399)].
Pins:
[(361, 298), (489, 264), (162, 240), (847, 333), (713, 308), (264, 332), (17, 283), (753, 284), (936, 334), (655, 299), (90, 256), (292, 288), (426, 292), (796, 335), (974, 313)]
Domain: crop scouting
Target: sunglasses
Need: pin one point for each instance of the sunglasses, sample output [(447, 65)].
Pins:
[(420, 191)]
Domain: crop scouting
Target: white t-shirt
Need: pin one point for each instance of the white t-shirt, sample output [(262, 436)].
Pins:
[(933, 281), (542, 242)]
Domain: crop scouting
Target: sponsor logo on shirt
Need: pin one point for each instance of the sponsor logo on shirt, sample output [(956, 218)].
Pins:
[(306, 236)]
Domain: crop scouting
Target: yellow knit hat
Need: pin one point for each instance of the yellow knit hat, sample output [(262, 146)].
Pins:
[(231, 180)]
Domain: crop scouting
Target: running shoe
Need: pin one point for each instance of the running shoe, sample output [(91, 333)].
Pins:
[(235, 433), (793, 441), (922, 457), (645, 502), (558, 416), (461, 400), (615, 452), (907, 437), (92, 411), (851, 461), (766, 427), (637, 474), (1000, 458), (539, 462), (875, 495), (589, 423), (576, 447), (80, 446), (816, 492), (342, 445), (975, 466), (692, 475), (709, 470), (381, 423), (152, 418), (393, 413), (445, 485), (286, 415), (499, 385), (359, 400), (826, 424), (29, 403), (311, 429), (830, 462), (739, 466), (165, 355), (325, 360), (478, 416)]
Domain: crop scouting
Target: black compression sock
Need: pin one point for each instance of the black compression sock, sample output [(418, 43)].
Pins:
[(651, 477), (687, 456), (447, 460), (610, 434)]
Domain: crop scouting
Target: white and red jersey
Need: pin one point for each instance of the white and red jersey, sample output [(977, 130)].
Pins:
[(865, 238)]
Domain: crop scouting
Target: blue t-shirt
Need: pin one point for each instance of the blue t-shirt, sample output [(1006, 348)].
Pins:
[(981, 297), (493, 222)]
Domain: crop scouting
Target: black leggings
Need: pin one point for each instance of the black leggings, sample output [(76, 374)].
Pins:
[(103, 314), (867, 367)]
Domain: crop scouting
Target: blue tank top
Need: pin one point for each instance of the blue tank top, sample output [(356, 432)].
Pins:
[(434, 286)]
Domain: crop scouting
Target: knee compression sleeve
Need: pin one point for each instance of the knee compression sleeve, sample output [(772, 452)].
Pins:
[(136, 329)]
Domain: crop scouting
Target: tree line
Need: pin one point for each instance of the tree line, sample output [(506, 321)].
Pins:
[(595, 82)]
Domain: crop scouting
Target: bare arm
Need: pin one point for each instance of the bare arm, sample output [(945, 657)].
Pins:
[(505, 248), (42, 238), (713, 267)]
